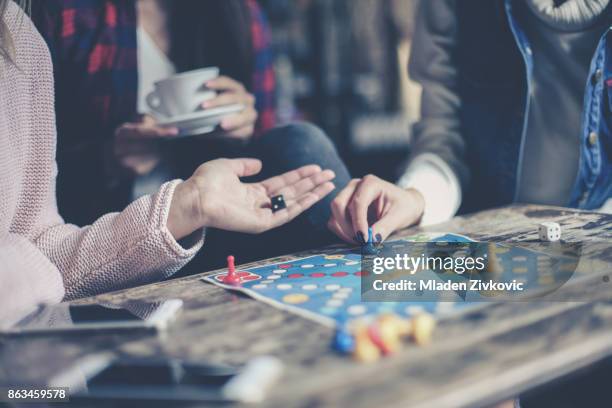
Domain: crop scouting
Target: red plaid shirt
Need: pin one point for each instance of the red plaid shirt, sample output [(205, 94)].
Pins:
[(94, 50)]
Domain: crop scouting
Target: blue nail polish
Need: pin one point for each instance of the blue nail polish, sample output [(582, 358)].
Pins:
[(378, 238), (360, 238)]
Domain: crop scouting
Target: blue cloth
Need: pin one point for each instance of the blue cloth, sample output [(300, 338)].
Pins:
[(481, 133), (594, 181)]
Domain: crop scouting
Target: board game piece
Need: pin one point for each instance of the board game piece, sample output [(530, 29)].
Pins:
[(278, 203), (423, 326), (493, 263), (329, 294), (376, 338), (344, 342), (257, 377), (365, 351), (549, 231), (369, 248), (392, 328), (231, 278)]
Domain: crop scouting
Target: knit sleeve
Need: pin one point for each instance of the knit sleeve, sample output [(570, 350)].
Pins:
[(27, 279), (118, 250)]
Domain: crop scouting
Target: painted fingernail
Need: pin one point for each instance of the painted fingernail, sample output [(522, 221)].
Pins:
[(378, 238), (360, 238)]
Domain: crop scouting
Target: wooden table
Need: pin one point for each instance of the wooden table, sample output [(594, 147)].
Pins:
[(481, 358)]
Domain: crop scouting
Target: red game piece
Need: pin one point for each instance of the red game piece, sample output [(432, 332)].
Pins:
[(231, 278)]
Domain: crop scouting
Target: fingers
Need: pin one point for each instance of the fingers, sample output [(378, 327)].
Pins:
[(244, 167), (340, 222), (275, 184), (389, 223), (365, 194), (242, 133), (404, 209), (229, 98), (306, 184), (240, 120), (298, 206), (334, 227), (224, 83), (140, 164)]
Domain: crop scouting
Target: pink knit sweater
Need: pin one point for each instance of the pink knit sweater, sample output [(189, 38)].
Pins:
[(42, 259)]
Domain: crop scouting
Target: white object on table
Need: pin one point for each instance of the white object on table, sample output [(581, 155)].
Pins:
[(549, 231)]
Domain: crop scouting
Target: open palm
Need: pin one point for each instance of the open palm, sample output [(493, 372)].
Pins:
[(229, 204)]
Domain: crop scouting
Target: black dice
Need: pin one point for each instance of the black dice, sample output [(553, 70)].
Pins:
[(278, 203)]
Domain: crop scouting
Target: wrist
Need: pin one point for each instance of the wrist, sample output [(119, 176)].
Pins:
[(185, 215)]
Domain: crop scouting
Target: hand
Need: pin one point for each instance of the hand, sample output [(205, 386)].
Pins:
[(238, 125), (373, 201), (215, 197), (134, 146)]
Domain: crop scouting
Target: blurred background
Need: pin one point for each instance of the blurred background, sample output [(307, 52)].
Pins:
[(342, 64)]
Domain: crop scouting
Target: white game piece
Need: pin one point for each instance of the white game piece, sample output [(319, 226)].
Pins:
[(549, 231), (251, 385)]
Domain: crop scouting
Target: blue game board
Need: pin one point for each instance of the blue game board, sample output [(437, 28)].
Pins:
[(327, 287)]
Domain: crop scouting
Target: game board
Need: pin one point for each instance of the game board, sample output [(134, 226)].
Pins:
[(327, 287)]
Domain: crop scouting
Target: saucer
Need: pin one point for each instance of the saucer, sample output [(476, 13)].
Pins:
[(200, 122)]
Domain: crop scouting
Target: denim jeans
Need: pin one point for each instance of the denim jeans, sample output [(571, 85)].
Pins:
[(281, 149)]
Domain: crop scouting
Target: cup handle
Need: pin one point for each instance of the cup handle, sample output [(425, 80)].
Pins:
[(155, 103)]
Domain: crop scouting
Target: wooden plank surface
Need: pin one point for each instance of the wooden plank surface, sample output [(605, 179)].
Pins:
[(480, 358)]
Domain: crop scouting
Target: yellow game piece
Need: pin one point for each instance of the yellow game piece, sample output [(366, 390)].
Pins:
[(389, 332), (423, 326), (493, 264), (365, 351)]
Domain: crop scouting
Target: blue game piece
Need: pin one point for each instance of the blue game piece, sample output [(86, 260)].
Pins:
[(344, 342), (369, 248)]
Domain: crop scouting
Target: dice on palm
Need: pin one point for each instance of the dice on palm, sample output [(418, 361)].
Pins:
[(549, 231)]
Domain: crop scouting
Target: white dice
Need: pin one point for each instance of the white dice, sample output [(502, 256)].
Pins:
[(549, 231)]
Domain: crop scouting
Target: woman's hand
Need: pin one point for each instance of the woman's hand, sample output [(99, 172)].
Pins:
[(135, 146), (239, 125), (216, 197), (372, 201)]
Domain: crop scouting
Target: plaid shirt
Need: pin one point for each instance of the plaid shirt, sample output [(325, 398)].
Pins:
[(93, 45), (94, 50)]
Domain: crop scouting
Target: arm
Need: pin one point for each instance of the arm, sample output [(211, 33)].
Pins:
[(118, 250), (430, 189), (437, 167), (27, 279)]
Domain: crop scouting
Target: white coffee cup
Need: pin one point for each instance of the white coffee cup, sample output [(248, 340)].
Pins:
[(182, 93)]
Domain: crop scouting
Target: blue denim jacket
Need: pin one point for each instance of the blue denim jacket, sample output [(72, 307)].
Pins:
[(495, 67), (594, 179)]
